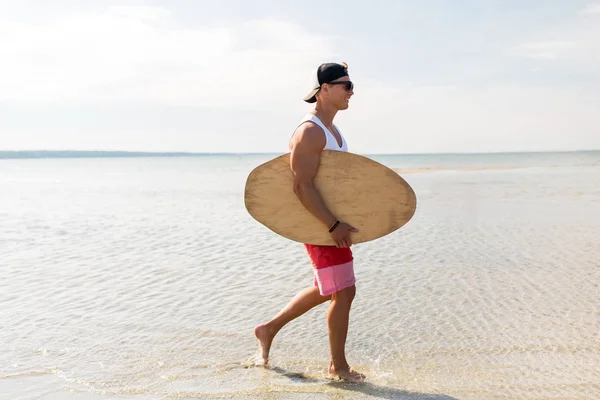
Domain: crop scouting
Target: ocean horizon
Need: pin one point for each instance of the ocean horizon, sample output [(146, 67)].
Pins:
[(11, 154)]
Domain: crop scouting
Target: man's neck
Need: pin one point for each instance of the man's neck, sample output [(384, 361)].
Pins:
[(325, 114)]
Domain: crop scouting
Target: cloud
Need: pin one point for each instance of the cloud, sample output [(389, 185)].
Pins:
[(593, 8), (573, 46), (546, 49), (135, 78), (494, 118), (140, 55)]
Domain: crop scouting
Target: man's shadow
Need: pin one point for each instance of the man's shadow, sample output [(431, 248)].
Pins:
[(365, 388)]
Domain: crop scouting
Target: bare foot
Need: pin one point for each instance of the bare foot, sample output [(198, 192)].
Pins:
[(265, 337), (346, 374)]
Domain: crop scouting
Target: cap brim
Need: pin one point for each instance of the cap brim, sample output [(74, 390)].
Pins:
[(311, 96)]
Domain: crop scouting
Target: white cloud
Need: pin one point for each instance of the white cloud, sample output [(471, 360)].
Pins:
[(593, 8), (496, 118), (547, 49), (138, 54), (121, 65), (574, 45)]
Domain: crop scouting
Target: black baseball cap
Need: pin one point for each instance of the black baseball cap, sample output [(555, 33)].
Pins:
[(326, 73)]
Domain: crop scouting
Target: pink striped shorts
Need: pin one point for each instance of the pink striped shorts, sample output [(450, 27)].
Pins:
[(333, 268)]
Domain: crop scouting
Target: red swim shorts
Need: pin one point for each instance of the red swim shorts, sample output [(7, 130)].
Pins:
[(333, 267)]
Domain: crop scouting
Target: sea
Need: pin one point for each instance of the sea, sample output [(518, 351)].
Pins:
[(143, 278)]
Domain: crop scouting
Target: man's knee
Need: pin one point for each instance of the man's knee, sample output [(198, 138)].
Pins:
[(345, 295)]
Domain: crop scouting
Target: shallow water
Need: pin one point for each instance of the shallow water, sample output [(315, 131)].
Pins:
[(144, 278)]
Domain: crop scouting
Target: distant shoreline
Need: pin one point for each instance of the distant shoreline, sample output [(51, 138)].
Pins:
[(24, 154), (29, 154)]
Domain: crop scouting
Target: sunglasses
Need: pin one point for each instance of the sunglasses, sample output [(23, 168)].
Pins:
[(348, 84)]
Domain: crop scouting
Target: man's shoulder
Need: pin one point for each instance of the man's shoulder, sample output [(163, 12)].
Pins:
[(310, 132), (310, 129)]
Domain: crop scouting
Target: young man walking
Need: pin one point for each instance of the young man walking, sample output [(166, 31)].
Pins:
[(332, 265)]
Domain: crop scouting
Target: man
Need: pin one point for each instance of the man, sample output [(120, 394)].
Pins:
[(332, 265)]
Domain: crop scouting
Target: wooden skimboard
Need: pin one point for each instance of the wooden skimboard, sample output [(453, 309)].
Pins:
[(358, 190)]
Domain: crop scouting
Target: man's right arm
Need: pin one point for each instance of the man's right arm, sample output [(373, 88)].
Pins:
[(305, 158)]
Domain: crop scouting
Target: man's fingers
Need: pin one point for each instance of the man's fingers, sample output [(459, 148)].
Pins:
[(345, 241)]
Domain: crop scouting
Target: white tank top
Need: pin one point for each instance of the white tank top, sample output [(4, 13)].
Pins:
[(331, 142)]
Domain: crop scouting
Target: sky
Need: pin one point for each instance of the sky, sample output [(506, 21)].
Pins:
[(229, 76)]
